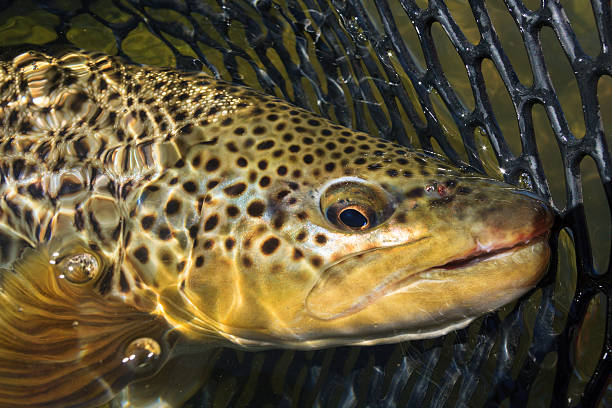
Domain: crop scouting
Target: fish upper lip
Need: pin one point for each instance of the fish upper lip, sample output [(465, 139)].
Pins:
[(482, 255), (479, 254)]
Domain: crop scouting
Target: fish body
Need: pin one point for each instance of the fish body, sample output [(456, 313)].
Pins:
[(148, 214)]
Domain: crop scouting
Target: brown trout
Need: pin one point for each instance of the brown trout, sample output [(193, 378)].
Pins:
[(148, 216)]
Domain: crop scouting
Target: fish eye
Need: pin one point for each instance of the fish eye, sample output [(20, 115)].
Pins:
[(354, 218), (355, 205), (350, 216)]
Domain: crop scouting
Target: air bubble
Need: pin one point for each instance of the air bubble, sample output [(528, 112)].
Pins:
[(142, 354), (80, 268)]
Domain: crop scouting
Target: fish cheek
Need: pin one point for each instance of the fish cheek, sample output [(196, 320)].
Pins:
[(65, 344), (213, 287)]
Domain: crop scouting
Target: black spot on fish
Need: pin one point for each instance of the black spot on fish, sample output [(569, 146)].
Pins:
[(105, 283), (255, 209), (147, 222), (316, 261), (79, 221), (164, 233), (68, 187), (124, 287), (264, 181), (36, 191), (78, 100), (265, 145), (415, 193), (232, 211), (199, 261), (320, 239), (270, 245), (212, 165), (297, 254), (193, 231), (173, 207), (235, 189), (142, 254), (189, 186), (186, 129), (282, 194), (441, 201), (13, 118), (18, 167), (81, 148), (392, 173), (211, 222), (25, 127)]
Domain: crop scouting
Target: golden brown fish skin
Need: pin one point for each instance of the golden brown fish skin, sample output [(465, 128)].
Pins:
[(215, 211)]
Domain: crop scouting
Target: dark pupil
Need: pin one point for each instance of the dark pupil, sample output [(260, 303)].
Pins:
[(353, 218)]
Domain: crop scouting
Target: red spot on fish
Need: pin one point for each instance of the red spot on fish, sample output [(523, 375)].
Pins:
[(442, 190)]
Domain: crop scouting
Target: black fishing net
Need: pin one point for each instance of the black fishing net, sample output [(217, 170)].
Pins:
[(349, 60)]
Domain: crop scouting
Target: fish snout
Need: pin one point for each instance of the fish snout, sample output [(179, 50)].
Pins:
[(513, 218)]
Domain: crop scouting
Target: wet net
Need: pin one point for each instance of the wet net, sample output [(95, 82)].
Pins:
[(351, 61)]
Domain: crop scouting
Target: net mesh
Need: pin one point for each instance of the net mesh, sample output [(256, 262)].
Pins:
[(348, 60)]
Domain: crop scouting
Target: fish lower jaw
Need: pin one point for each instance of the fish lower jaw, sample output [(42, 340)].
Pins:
[(415, 335), (434, 302), (393, 336)]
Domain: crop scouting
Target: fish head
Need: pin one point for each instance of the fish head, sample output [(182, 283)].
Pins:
[(379, 245)]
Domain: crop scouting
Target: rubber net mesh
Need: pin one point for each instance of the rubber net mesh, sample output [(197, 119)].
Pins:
[(352, 61)]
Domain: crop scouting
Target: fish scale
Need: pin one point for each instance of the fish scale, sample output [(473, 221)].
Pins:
[(165, 214)]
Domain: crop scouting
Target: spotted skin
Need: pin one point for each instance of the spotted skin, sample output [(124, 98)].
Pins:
[(214, 213)]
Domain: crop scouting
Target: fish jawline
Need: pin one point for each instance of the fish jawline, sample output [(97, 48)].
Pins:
[(316, 344), (482, 256), (457, 265)]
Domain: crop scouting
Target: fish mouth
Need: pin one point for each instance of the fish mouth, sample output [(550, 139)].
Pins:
[(483, 255), (500, 272)]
